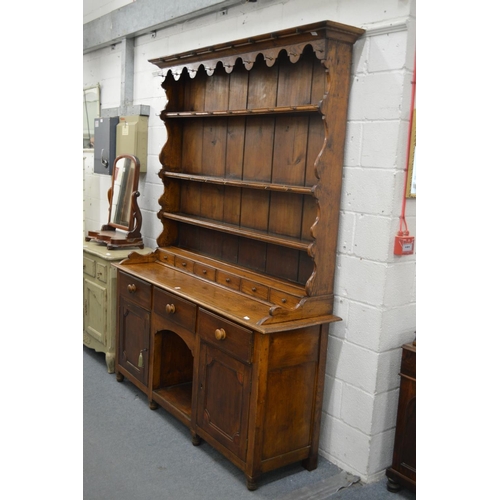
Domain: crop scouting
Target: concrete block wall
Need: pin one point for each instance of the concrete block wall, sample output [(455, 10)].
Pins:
[(375, 290)]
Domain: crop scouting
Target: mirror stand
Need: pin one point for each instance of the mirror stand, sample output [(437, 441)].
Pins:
[(113, 238), (125, 219)]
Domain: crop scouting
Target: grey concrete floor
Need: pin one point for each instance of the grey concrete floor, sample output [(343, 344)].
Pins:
[(133, 453)]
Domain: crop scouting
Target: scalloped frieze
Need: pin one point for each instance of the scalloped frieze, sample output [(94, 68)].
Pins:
[(248, 59)]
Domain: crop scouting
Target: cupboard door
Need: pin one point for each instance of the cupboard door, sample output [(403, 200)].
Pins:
[(223, 399), (133, 342), (94, 310)]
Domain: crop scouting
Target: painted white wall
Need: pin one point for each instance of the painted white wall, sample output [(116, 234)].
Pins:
[(375, 290), (92, 9)]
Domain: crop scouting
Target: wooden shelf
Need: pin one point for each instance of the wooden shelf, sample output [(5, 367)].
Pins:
[(255, 148), (254, 234), (240, 183), (242, 112), (177, 396)]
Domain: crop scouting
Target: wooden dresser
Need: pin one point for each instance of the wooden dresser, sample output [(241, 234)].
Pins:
[(226, 324), (99, 298), (404, 464)]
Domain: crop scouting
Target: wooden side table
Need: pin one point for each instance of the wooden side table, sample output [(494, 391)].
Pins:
[(99, 298), (404, 464)]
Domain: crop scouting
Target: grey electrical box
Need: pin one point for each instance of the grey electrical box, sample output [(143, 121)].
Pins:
[(105, 144)]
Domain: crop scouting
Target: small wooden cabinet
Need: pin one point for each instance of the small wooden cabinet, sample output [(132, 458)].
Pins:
[(223, 398), (404, 466), (238, 297), (99, 298)]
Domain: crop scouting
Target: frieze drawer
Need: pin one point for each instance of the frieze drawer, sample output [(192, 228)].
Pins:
[(135, 290), (173, 308), (227, 336)]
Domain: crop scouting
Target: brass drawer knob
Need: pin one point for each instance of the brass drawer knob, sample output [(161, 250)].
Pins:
[(170, 308), (131, 288), (220, 334)]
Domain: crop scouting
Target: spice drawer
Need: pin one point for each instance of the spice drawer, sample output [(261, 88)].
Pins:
[(254, 289), (227, 279), (204, 271), (184, 264)]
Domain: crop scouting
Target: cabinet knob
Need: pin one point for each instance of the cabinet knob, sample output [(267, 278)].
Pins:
[(170, 308), (220, 334), (131, 288)]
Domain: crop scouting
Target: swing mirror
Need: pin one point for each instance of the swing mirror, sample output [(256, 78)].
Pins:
[(125, 182), (124, 221)]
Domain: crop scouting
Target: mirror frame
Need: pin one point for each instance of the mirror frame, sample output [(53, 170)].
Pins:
[(127, 194)]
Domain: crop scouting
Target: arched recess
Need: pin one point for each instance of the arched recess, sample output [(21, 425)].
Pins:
[(172, 377)]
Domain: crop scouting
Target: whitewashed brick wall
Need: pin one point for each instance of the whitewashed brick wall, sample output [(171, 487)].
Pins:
[(375, 290)]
